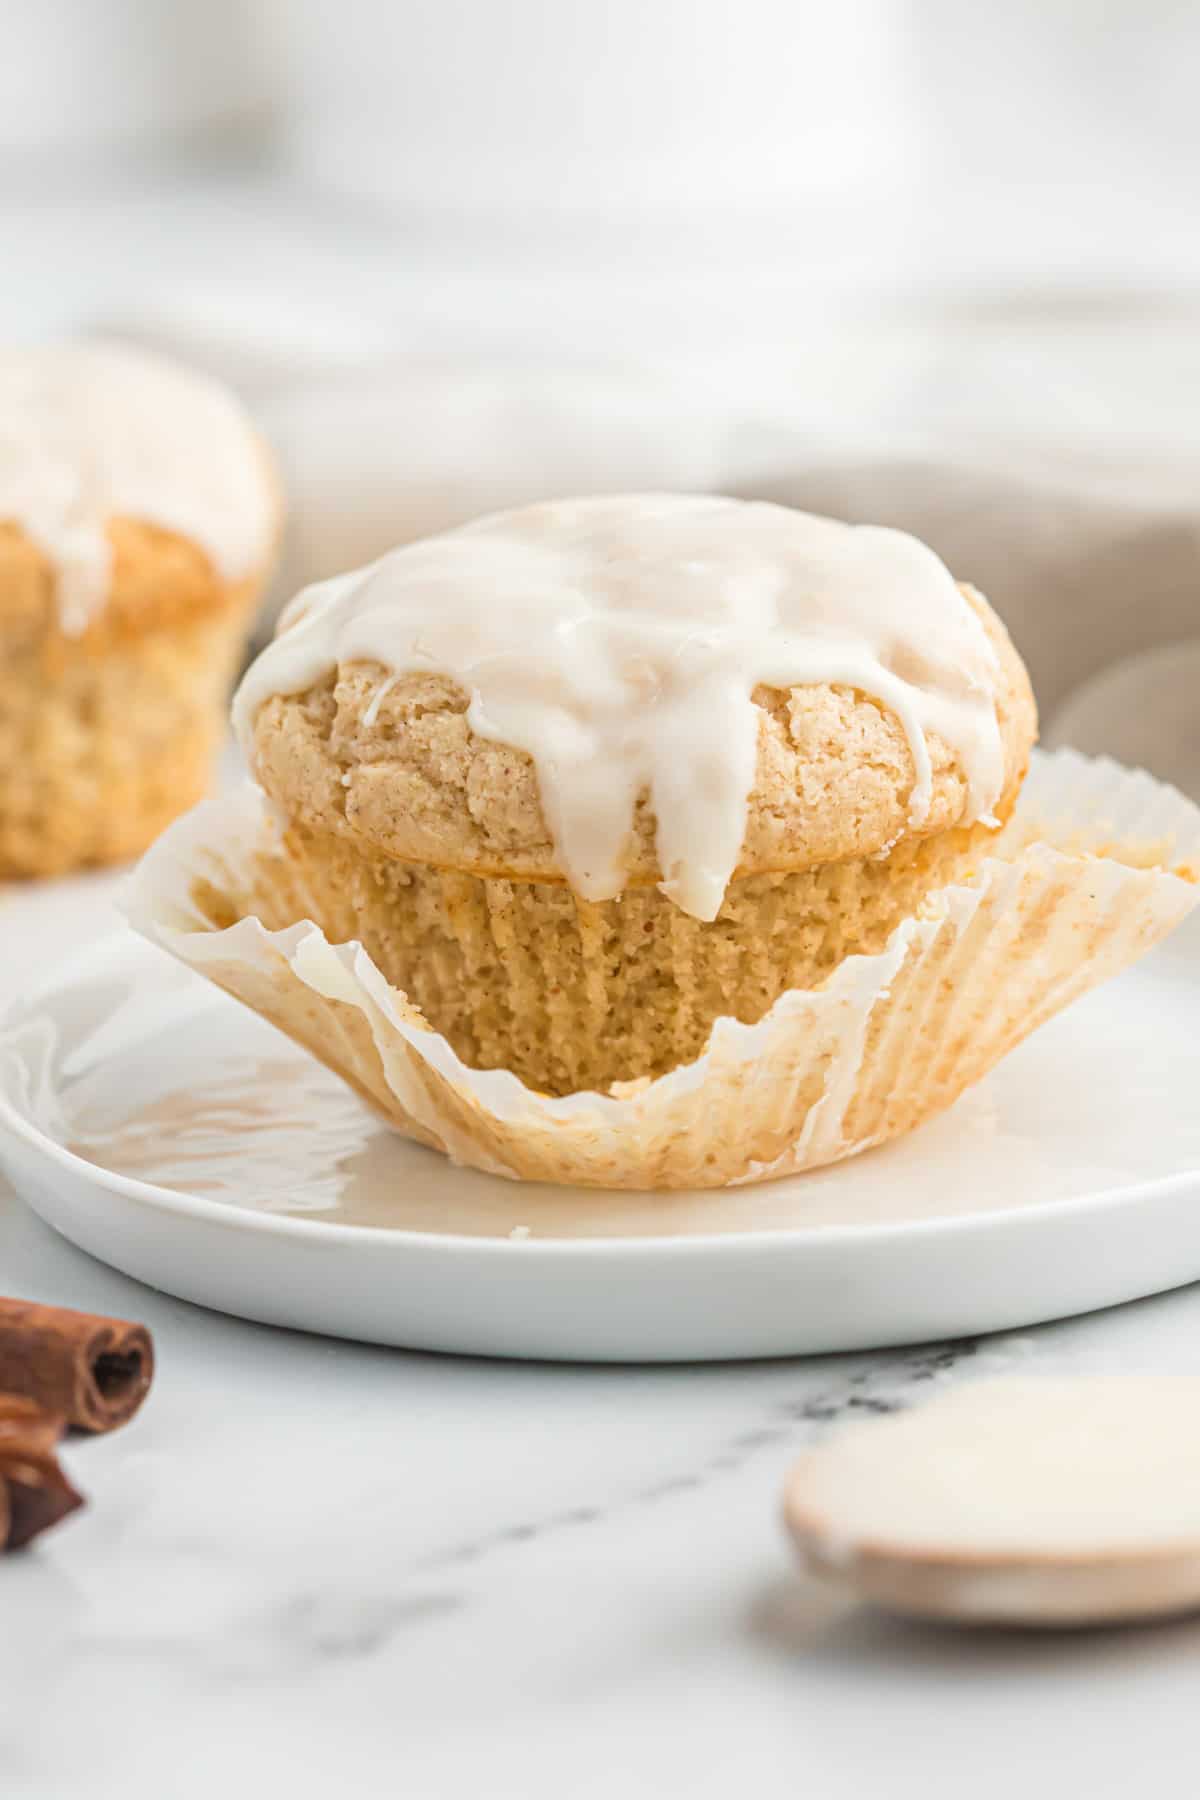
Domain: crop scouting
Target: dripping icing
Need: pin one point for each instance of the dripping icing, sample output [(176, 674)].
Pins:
[(91, 432), (618, 642)]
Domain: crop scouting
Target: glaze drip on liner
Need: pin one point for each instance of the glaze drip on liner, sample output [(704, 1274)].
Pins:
[(618, 642), (91, 432)]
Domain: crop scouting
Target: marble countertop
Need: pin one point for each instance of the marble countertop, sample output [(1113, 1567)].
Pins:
[(312, 1567)]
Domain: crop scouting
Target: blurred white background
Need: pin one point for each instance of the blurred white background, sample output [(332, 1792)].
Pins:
[(667, 175)]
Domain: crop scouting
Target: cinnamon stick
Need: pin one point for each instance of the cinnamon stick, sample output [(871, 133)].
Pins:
[(34, 1491), (91, 1371)]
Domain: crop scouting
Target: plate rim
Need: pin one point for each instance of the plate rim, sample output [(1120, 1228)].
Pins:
[(19, 1007)]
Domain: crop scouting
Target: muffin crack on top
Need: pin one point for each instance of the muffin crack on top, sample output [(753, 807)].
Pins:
[(586, 778)]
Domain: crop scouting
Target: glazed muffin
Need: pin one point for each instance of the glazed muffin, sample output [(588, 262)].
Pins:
[(585, 778), (659, 843), (138, 519)]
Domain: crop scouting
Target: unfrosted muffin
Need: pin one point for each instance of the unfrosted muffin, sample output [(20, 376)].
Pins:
[(587, 777), (138, 518)]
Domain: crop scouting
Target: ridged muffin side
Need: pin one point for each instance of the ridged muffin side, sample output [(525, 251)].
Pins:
[(570, 994)]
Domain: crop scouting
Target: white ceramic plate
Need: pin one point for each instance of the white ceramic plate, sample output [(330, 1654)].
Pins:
[(164, 1129)]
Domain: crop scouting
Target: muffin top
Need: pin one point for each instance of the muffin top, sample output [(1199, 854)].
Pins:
[(641, 688), (94, 437)]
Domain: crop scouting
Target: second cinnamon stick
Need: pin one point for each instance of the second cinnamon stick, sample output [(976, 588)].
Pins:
[(34, 1491)]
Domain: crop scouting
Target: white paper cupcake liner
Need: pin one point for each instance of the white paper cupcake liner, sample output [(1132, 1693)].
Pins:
[(1097, 865)]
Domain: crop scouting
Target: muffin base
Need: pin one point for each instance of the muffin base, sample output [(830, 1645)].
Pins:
[(571, 995)]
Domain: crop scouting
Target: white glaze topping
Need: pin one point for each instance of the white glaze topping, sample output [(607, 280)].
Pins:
[(618, 641), (91, 432)]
